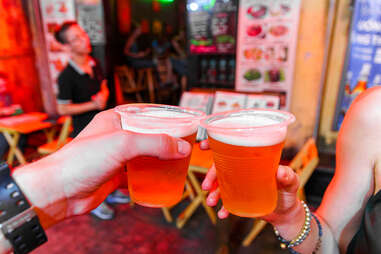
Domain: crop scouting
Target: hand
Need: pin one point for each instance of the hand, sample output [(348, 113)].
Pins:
[(100, 99), (143, 54), (287, 181), (78, 177)]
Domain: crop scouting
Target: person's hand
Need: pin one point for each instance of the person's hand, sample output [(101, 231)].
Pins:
[(78, 177), (287, 181), (140, 54), (100, 99), (143, 54)]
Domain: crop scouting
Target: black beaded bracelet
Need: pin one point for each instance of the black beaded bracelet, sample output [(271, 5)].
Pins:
[(303, 232), (318, 244)]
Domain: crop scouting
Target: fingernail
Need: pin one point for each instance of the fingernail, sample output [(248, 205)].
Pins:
[(182, 147)]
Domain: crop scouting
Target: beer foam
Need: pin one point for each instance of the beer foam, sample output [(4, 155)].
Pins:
[(162, 122), (240, 135), (166, 114)]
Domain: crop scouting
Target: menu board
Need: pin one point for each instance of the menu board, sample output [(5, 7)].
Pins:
[(226, 101), (263, 101), (199, 101), (266, 43), (212, 26), (54, 13), (90, 18)]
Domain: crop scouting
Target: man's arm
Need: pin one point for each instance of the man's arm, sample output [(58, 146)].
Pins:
[(358, 150), (78, 177), (77, 108)]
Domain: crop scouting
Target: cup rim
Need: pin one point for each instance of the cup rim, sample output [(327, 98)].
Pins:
[(289, 118), (196, 114)]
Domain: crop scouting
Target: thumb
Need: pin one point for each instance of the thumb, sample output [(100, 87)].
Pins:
[(159, 145), (287, 179)]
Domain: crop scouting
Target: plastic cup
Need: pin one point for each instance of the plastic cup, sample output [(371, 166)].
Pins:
[(247, 145), (153, 182)]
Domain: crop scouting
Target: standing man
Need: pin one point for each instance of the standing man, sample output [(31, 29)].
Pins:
[(83, 92)]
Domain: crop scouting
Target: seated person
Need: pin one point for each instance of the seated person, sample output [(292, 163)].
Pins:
[(179, 60), (138, 50)]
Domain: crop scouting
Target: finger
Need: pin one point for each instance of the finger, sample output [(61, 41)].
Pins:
[(204, 144), (210, 178), (223, 213), (213, 197), (158, 145), (287, 179)]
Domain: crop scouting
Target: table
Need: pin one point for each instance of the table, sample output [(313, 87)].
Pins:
[(12, 128)]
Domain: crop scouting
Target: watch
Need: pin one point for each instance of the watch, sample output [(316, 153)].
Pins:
[(18, 221)]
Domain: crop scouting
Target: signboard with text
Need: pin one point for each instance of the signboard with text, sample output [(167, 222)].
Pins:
[(363, 68)]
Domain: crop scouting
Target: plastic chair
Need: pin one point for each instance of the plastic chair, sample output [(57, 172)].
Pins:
[(62, 139), (304, 164)]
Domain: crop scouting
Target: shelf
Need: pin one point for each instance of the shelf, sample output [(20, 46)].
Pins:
[(218, 83)]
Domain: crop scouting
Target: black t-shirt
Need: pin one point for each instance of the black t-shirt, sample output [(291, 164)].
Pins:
[(75, 86)]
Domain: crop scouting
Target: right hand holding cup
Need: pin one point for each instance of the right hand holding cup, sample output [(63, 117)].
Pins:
[(287, 183)]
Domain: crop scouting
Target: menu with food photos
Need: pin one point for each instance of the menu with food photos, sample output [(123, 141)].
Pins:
[(266, 44), (263, 101), (199, 101), (225, 101)]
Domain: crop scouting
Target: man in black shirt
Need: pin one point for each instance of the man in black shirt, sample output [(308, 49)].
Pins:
[(83, 90), (77, 89)]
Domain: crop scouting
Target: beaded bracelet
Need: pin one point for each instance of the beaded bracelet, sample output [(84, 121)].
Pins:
[(303, 233), (318, 244)]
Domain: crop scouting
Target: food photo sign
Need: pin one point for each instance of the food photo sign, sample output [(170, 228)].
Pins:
[(266, 44)]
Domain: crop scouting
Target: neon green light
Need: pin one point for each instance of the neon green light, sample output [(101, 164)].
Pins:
[(210, 5)]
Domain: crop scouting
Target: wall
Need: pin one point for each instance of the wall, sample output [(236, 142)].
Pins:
[(17, 56), (309, 67)]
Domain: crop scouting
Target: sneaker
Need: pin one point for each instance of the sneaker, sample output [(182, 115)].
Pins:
[(117, 197), (103, 212)]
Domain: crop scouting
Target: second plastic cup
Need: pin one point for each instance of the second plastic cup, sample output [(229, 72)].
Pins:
[(247, 145), (153, 182)]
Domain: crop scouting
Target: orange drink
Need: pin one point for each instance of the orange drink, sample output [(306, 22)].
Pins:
[(154, 182), (247, 145)]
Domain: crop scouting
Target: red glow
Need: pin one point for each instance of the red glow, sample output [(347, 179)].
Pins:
[(17, 56), (124, 16)]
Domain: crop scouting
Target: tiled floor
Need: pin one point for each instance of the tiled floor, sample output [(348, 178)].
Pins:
[(140, 230)]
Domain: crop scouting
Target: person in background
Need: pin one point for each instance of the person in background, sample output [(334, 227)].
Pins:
[(349, 217), (161, 54), (83, 92), (138, 50), (178, 60), (77, 178)]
